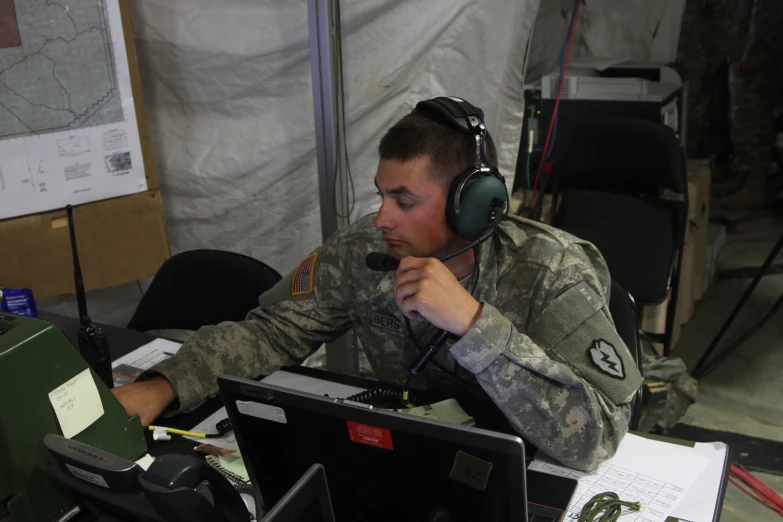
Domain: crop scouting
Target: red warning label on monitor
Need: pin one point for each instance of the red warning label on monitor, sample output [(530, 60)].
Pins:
[(370, 435)]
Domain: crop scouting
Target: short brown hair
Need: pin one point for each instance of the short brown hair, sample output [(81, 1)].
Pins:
[(420, 134)]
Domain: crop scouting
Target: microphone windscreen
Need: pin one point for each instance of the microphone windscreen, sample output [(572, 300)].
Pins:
[(381, 262)]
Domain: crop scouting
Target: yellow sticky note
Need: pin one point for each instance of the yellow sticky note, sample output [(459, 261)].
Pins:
[(76, 404)]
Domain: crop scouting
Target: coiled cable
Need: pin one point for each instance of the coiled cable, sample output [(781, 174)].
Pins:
[(608, 505), (385, 397), (222, 428)]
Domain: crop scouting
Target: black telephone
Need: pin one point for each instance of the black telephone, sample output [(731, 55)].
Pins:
[(175, 488), (184, 488)]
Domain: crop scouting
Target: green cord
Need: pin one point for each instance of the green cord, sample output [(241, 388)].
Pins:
[(608, 505), (527, 177), (529, 154)]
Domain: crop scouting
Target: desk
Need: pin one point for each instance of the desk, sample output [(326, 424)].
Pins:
[(122, 342)]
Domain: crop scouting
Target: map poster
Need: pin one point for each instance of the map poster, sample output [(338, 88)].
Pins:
[(68, 131)]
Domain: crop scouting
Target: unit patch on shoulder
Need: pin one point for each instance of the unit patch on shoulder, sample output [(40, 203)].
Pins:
[(303, 276), (604, 356)]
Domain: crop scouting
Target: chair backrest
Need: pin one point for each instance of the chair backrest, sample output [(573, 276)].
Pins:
[(626, 322), (639, 237), (202, 287), (623, 156), (610, 178)]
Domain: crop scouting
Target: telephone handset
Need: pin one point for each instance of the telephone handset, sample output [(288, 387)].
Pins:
[(184, 488)]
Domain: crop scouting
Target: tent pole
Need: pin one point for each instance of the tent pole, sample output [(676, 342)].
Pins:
[(325, 63)]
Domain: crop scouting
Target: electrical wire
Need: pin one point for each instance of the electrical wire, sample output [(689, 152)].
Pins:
[(406, 397), (417, 341), (530, 136), (758, 491), (608, 505), (546, 152)]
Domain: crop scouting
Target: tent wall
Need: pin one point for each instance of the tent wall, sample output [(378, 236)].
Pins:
[(229, 98), (634, 29)]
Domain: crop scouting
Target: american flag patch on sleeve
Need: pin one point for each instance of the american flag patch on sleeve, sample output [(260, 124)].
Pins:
[(303, 276)]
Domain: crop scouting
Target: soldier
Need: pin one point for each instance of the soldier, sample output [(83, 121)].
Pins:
[(525, 311), (710, 34), (754, 82), (741, 34)]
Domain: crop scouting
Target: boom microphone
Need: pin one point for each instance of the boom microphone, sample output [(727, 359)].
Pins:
[(381, 262)]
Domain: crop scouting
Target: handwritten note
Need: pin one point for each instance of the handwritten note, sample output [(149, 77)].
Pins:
[(76, 404)]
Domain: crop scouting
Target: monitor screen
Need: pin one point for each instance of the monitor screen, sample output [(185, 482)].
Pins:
[(381, 466)]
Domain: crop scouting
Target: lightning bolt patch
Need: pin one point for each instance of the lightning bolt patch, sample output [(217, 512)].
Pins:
[(604, 356)]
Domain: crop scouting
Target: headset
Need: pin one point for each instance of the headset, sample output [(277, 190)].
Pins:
[(478, 197), (477, 202)]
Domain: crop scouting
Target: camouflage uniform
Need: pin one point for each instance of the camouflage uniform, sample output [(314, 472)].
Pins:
[(753, 78), (710, 34), (744, 34), (544, 347)]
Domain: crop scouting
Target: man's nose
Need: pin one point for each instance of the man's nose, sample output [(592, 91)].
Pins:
[(384, 220)]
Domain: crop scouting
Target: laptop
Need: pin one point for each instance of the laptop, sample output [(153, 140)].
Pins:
[(380, 465)]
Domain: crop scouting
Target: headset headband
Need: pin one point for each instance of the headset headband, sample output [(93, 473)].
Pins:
[(462, 116)]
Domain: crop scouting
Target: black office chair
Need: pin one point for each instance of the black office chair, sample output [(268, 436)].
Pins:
[(611, 179), (626, 322), (202, 287)]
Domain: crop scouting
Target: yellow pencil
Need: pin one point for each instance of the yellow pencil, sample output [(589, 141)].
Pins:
[(179, 432)]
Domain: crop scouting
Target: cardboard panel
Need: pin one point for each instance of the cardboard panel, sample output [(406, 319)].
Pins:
[(685, 300), (119, 240), (700, 171)]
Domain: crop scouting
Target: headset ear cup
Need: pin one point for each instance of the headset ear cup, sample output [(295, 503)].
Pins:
[(476, 206), (451, 203)]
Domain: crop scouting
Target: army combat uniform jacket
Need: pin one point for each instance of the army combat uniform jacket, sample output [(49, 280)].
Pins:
[(543, 348)]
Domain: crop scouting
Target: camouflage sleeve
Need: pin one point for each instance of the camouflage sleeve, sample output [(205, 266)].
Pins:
[(566, 384), (305, 309)]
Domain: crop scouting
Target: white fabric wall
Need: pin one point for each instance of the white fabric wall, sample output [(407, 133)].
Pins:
[(633, 29), (229, 99)]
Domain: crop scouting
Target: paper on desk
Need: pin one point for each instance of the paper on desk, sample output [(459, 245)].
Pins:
[(228, 441), (446, 411), (127, 368), (310, 384), (657, 474), (236, 465), (699, 505), (76, 403), (146, 461)]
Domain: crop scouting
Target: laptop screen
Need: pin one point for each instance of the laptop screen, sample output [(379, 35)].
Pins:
[(380, 466)]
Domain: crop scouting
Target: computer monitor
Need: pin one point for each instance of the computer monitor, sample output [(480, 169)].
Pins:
[(381, 465), (307, 501)]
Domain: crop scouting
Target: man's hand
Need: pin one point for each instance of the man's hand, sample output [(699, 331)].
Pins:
[(425, 286), (147, 398)]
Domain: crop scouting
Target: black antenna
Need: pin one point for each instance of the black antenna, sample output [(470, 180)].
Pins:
[(81, 298), (92, 342)]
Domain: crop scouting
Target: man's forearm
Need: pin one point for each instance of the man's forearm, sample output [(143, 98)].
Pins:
[(229, 348)]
